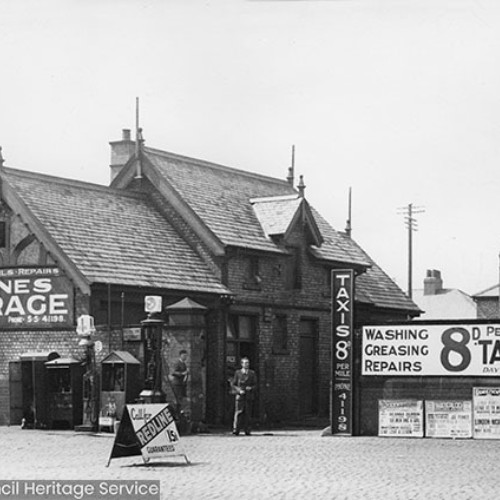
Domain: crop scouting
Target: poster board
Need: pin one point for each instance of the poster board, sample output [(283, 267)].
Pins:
[(448, 419), (400, 418), (148, 430), (424, 350), (486, 407)]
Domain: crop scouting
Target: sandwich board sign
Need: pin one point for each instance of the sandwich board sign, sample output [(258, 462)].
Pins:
[(148, 430)]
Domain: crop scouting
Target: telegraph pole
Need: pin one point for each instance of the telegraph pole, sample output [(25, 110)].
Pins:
[(411, 223)]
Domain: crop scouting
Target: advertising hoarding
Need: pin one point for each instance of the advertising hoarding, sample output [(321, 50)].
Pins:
[(400, 418), (440, 350), (486, 401), (448, 419), (35, 297), (342, 358)]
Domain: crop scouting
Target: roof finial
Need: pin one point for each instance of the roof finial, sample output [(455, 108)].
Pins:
[(348, 227), (1, 158), (138, 141), (301, 187), (291, 170)]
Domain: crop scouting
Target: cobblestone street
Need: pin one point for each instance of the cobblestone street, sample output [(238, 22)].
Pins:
[(277, 464)]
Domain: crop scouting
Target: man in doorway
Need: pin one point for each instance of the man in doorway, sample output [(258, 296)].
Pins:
[(243, 385), (180, 377)]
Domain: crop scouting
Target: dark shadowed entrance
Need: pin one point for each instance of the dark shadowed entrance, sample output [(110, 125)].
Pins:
[(308, 360)]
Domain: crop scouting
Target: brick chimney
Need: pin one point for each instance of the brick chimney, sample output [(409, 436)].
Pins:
[(121, 152), (301, 186), (433, 283)]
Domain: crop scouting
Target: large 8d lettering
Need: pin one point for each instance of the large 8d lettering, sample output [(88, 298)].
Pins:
[(458, 346)]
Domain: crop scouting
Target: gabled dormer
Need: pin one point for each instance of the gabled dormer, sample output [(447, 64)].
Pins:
[(280, 216)]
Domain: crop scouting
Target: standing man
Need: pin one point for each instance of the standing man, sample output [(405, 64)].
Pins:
[(180, 376), (243, 385)]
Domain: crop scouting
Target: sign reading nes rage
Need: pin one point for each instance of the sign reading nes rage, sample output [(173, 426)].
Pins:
[(453, 349), (35, 297)]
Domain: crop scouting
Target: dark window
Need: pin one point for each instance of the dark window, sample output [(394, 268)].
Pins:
[(241, 328), (253, 269), (3, 235), (252, 278), (240, 341), (293, 271), (280, 335)]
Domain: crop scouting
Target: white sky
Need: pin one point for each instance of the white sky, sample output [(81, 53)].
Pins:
[(398, 99)]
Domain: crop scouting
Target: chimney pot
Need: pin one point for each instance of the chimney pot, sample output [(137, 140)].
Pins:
[(433, 284), (301, 186), (121, 152)]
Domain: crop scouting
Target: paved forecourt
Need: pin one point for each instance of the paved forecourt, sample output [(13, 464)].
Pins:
[(278, 464)]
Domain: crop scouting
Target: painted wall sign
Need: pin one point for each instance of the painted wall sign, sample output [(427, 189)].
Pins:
[(35, 297), (486, 403), (422, 350), (342, 358), (400, 418), (448, 419)]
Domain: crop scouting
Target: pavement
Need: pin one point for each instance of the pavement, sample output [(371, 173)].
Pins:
[(278, 464)]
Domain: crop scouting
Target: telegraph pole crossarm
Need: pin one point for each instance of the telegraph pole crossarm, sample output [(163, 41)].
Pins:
[(411, 223)]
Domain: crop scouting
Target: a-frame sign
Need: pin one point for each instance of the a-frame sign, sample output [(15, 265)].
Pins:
[(148, 430)]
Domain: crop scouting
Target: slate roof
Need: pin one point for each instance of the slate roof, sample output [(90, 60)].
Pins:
[(104, 231), (376, 287), (276, 213), (448, 303), (491, 291), (221, 196)]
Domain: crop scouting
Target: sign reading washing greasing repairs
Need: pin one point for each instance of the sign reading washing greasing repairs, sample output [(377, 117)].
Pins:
[(35, 297), (422, 350), (342, 337)]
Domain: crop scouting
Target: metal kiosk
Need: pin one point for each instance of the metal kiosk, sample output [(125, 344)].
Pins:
[(120, 384), (65, 393), (32, 408)]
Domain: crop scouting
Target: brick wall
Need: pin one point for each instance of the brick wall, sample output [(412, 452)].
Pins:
[(269, 296), (23, 249)]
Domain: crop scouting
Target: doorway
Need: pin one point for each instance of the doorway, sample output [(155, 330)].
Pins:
[(308, 367), (240, 343)]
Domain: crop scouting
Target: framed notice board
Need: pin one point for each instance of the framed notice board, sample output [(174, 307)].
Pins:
[(400, 418), (486, 405), (448, 419)]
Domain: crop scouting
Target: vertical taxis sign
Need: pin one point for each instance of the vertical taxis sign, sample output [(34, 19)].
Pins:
[(342, 358), (35, 297)]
